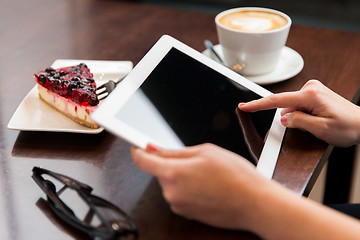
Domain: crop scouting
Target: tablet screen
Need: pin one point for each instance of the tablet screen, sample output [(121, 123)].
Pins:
[(183, 103)]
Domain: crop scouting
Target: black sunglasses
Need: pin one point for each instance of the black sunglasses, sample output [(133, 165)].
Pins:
[(103, 220)]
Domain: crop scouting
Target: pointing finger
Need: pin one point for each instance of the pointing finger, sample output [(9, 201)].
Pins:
[(280, 100)]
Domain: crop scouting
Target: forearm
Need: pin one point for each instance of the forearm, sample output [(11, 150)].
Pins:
[(281, 214)]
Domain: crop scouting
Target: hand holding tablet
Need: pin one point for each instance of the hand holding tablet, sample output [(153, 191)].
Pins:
[(178, 97)]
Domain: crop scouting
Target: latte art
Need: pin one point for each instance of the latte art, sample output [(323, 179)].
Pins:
[(253, 21)]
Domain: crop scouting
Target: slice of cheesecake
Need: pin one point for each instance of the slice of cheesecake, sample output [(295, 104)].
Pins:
[(71, 91)]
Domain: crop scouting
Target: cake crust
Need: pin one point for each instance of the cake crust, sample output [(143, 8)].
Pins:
[(87, 121)]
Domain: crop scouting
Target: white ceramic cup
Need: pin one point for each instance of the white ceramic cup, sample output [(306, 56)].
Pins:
[(249, 52)]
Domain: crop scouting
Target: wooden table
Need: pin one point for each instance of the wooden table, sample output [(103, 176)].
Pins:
[(37, 32)]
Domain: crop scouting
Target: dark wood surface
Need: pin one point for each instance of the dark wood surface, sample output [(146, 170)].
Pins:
[(35, 33)]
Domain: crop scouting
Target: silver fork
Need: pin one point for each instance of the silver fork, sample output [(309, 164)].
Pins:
[(106, 88)]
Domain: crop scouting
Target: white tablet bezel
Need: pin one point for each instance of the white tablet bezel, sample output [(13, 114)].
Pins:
[(105, 115)]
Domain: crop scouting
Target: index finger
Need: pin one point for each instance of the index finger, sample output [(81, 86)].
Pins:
[(279, 100)]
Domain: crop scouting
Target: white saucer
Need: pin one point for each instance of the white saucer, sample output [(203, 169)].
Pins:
[(35, 115), (290, 64)]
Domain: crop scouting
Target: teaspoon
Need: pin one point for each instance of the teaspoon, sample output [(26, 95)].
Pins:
[(210, 46)]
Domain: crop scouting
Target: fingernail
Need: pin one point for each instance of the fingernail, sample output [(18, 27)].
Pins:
[(241, 105), (152, 148), (284, 120)]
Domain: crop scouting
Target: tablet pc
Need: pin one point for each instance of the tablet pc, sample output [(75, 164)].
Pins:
[(175, 97)]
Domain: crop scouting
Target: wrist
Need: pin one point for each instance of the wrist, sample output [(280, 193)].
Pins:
[(252, 198), (266, 202)]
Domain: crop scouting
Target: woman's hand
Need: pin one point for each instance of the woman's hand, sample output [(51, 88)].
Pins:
[(220, 188), (206, 183), (316, 109)]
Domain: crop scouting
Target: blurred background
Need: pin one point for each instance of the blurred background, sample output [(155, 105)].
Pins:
[(337, 14)]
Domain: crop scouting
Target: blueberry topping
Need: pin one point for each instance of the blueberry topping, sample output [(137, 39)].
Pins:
[(56, 75), (75, 79), (57, 84), (42, 79), (82, 65), (62, 72), (50, 70), (91, 89), (71, 87), (76, 83)]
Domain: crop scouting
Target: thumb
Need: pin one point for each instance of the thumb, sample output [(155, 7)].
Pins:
[(147, 161), (186, 152)]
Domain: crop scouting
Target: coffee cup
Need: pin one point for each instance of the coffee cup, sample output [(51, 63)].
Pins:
[(252, 38)]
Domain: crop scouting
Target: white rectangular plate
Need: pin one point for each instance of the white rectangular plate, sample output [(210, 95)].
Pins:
[(35, 115)]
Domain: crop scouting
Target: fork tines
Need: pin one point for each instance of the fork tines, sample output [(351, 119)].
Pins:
[(105, 89)]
